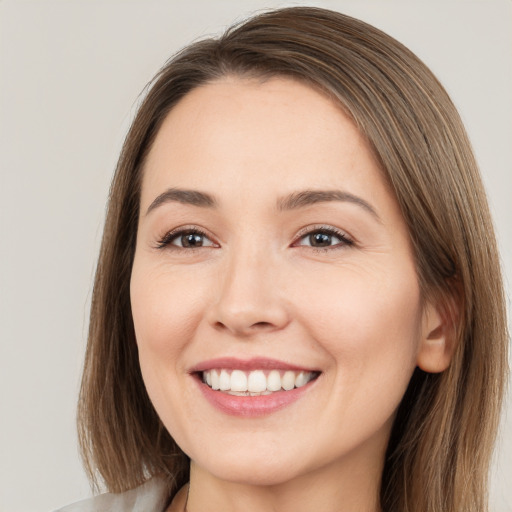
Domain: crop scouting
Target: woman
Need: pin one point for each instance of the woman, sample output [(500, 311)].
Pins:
[(298, 301)]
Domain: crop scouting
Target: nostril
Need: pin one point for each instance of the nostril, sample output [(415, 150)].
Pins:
[(262, 324), (255, 326)]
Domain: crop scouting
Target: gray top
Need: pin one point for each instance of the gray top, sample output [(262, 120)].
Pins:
[(149, 497)]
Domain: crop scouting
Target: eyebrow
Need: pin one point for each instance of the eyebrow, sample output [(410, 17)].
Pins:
[(293, 201), (192, 197), (309, 197)]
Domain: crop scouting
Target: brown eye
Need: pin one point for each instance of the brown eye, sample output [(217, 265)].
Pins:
[(324, 239), (185, 239), (320, 240), (190, 240)]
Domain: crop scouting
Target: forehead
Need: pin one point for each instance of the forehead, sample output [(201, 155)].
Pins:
[(275, 136)]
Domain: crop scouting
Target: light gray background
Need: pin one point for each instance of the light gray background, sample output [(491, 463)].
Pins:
[(70, 74)]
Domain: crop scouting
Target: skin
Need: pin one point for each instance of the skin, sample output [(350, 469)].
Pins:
[(257, 288)]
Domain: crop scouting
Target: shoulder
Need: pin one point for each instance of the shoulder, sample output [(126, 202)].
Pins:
[(149, 497)]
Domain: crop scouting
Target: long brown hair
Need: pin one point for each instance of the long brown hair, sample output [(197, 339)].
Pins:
[(440, 447)]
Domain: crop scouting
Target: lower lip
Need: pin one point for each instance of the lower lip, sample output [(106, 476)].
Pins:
[(250, 406)]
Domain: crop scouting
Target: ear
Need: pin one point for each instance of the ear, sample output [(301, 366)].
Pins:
[(439, 335)]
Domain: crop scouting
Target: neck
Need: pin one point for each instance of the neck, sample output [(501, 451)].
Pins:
[(343, 486)]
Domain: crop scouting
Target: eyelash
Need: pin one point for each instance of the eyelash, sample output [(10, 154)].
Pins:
[(165, 241), (345, 240)]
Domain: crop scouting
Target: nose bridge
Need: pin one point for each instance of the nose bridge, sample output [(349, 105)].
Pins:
[(249, 299)]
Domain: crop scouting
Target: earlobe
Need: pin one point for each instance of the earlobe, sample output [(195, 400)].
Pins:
[(438, 338)]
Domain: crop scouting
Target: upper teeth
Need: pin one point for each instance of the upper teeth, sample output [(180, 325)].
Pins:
[(257, 381)]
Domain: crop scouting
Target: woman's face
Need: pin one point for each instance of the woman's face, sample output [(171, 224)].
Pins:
[(272, 256)]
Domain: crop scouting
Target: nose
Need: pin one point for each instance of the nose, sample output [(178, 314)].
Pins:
[(249, 298)]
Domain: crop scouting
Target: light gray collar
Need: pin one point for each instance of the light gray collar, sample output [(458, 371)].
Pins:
[(149, 497)]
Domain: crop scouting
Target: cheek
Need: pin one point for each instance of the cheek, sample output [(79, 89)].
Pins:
[(166, 308), (368, 322), (165, 311)]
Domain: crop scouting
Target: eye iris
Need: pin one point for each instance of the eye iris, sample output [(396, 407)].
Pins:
[(320, 240), (192, 240)]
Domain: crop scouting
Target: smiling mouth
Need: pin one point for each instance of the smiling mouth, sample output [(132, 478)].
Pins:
[(256, 382)]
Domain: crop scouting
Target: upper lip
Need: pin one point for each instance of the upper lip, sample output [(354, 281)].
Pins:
[(255, 363)]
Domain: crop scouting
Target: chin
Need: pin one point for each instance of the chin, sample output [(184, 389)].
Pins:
[(257, 474), (260, 467)]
